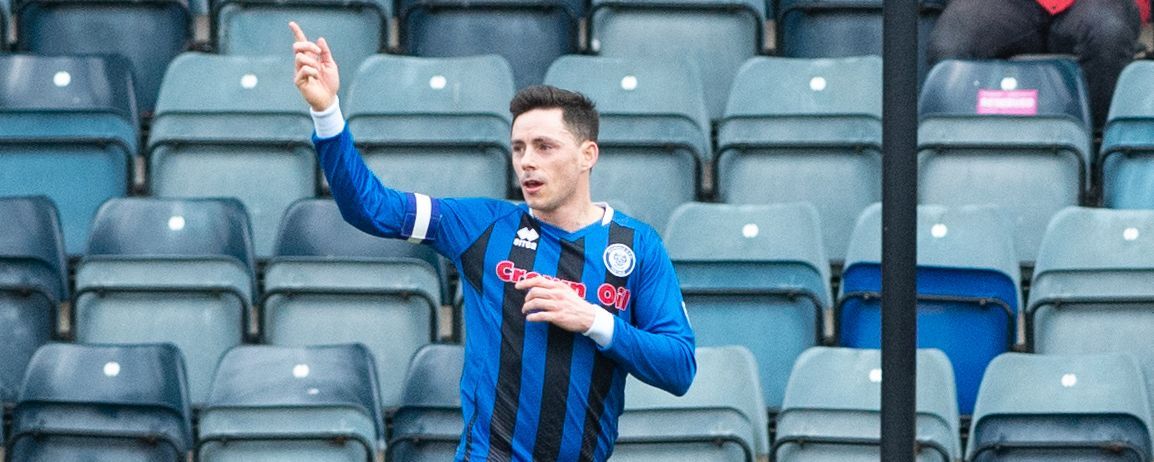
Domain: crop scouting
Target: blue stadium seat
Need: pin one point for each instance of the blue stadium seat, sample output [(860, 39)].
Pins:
[(711, 36), (753, 275), (148, 34), (967, 288), (103, 403), (1010, 133), (428, 425), (721, 418), (416, 118), (833, 403), (654, 125), (68, 130), (195, 148), (168, 270), (789, 121), (1126, 161), (5, 16), (1061, 407), (331, 283), (293, 404), (33, 283), (529, 34)]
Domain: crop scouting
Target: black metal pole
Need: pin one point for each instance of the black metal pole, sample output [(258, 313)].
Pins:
[(899, 228)]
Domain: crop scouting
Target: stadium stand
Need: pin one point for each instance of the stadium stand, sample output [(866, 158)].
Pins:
[(753, 275), (529, 34), (293, 404), (102, 403), (1011, 133), (330, 283), (68, 130), (712, 36), (721, 418), (415, 119), (1124, 164), (428, 425), (33, 283), (168, 270), (833, 402), (653, 126), (967, 288), (804, 130), (148, 34), (197, 147), (1054, 407)]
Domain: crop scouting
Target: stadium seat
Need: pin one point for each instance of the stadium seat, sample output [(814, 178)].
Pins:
[(529, 34), (102, 403), (712, 37), (33, 283), (416, 118), (833, 403), (233, 126), (721, 418), (1126, 161), (168, 270), (1056, 407), (967, 288), (792, 121), (654, 126), (1091, 290), (428, 425), (331, 283), (148, 34), (293, 404), (753, 275), (1010, 133), (68, 130), (5, 17)]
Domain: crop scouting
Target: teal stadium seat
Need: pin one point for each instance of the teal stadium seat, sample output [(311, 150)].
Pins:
[(68, 130), (168, 270), (438, 126), (331, 283), (428, 425), (233, 126), (654, 125), (833, 403), (1010, 133), (753, 275), (804, 130), (284, 404), (1126, 161)]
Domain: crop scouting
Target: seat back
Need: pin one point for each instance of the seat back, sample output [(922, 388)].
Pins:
[(428, 426), (1124, 162)]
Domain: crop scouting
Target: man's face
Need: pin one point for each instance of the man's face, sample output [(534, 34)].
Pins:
[(548, 160)]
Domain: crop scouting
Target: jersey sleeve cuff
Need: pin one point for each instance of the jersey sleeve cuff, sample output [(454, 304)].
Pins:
[(602, 329), (329, 122)]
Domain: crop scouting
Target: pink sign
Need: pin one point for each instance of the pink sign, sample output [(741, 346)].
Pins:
[(1008, 102)]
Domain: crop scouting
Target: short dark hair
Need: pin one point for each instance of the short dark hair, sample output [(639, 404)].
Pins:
[(577, 110)]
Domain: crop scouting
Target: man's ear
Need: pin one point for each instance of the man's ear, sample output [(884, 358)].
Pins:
[(589, 154)]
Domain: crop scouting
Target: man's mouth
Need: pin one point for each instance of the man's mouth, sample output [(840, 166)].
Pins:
[(531, 186)]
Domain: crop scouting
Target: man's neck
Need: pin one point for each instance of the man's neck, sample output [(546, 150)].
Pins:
[(571, 219)]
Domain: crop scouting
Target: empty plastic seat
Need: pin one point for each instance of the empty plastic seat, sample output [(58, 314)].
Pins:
[(33, 282), (1011, 133), (429, 424), (1061, 407), (653, 126), (147, 34), (293, 404), (416, 118), (753, 275), (833, 404), (792, 120), (331, 283), (233, 126), (1126, 161), (714, 37), (168, 270), (529, 34), (68, 130), (101, 403), (967, 288), (5, 16)]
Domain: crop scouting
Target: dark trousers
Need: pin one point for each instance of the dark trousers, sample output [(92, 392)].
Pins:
[(1103, 34)]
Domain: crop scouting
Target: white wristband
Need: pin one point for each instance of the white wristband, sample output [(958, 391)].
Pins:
[(601, 331), (329, 122)]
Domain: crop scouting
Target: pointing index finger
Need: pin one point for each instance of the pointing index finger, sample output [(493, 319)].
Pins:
[(529, 283), (298, 34)]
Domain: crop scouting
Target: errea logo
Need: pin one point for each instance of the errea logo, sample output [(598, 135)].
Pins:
[(526, 238)]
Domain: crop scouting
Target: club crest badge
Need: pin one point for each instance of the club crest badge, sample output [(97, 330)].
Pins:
[(619, 260)]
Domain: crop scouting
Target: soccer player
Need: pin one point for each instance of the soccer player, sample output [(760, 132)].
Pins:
[(563, 296)]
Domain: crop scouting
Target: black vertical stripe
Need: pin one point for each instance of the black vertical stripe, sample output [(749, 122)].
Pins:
[(603, 367), (558, 361), (473, 259), (508, 393)]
